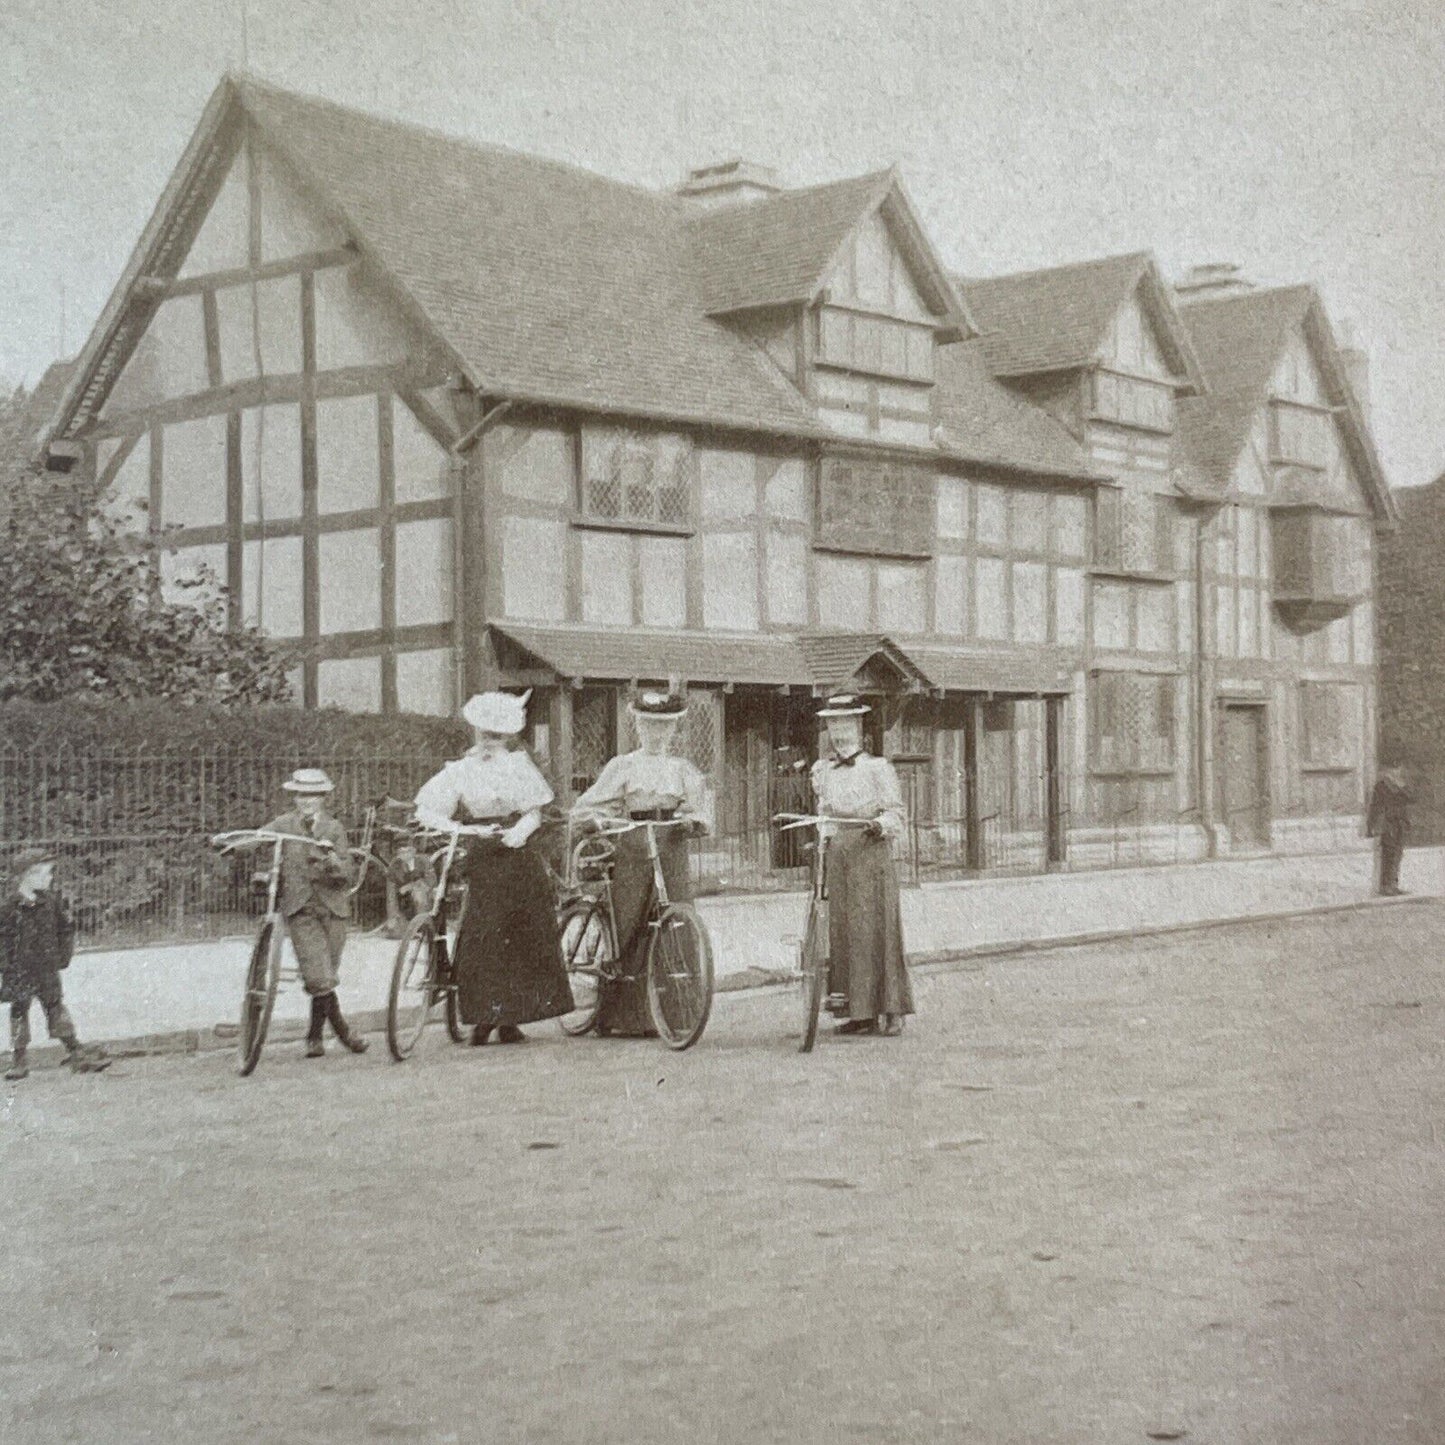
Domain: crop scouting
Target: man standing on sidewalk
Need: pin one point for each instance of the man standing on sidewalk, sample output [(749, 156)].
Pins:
[(1389, 821)]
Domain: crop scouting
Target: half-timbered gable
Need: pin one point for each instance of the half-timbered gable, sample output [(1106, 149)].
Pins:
[(444, 416)]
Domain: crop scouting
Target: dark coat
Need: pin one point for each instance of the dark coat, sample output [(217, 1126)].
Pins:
[(307, 874), (1389, 815), (37, 939)]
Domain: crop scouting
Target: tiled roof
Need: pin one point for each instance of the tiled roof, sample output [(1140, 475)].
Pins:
[(1238, 338), (984, 421), (774, 251), (834, 658), (956, 669), (624, 653), (548, 282), (1054, 319)]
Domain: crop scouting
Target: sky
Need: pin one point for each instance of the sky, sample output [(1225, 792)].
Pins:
[(1304, 141)]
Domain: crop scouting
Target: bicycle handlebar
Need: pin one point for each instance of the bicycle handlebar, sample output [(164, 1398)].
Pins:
[(631, 825), (813, 820), (239, 837)]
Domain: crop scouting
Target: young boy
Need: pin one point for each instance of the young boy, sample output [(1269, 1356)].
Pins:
[(316, 903), (36, 941)]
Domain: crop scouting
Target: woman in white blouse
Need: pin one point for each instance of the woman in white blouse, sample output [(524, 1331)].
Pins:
[(869, 974), (508, 962), (648, 783)]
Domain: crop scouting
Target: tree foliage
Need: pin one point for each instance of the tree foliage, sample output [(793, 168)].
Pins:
[(82, 612)]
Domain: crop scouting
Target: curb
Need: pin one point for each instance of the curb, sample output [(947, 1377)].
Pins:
[(953, 960)]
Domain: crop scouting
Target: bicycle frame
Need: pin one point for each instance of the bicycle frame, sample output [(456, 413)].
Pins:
[(660, 898)]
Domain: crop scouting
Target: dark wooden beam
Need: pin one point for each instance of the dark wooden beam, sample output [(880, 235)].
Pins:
[(310, 541), (386, 471), (308, 262), (432, 421), (211, 314)]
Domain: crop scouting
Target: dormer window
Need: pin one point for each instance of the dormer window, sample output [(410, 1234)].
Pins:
[(1132, 401), (875, 345), (1299, 434), (1319, 565)]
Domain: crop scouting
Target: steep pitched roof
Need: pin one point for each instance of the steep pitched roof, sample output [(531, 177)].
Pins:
[(983, 421), (551, 283), (779, 251), (1056, 319), (1239, 338)]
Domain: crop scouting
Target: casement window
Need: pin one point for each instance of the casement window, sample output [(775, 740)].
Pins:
[(873, 505), (1131, 401), (1133, 723), (1135, 532), (1327, 722), (1318, 557), (1299, 435), (636, 477)]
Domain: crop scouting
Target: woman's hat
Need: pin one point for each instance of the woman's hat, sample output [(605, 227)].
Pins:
[(502, 713), (309, 780), (657, 704), (844, 704)]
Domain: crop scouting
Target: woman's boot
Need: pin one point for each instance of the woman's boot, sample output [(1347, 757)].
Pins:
[(315, 1046)]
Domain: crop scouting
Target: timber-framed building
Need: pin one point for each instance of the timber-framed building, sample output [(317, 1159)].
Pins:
[(445, 416)]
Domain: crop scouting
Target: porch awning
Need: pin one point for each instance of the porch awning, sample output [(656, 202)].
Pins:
[(822, 662), (625, 653), (1006, 673)]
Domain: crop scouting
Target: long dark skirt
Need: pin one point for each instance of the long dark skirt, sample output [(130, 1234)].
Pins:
[(624, 1004), (865, 931), (509, 963)]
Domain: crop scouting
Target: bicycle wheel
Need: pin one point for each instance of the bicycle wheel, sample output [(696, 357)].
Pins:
[(413, 987), (679, 976), (587, 953), (262, 976), (812, 974)]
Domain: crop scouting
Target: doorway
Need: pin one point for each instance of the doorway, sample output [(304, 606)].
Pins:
[(1244, 775)]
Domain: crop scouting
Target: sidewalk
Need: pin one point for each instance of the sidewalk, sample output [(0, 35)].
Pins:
[(190, 988)]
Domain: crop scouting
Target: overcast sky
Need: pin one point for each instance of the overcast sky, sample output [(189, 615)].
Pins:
[(1305, 141)]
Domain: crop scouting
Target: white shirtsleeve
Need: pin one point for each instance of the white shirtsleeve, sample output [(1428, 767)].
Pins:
[(697, 797), (530, 789), (437, 799), (893, 819), (606, 795)]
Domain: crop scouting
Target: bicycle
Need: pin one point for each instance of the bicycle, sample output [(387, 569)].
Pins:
[(264, 974), (424, 972), (677, 957), (398, 865), (814, 960)]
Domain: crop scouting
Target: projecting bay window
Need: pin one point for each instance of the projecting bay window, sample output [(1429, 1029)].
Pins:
[(1319, 565), (1133, 725), (877, 345), (1299, 434), (1132, 401), (636, 479), (1136, 533)]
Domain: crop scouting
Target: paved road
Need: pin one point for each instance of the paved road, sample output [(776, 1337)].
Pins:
[(1189, 1186)]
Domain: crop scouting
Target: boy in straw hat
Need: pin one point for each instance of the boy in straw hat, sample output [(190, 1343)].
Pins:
[(508, 959), (315, 901), (36, 942)]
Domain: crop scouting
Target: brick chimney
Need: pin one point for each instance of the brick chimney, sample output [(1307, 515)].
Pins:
[(729, 183), (1214, 278)]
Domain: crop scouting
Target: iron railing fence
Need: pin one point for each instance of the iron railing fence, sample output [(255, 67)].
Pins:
[(131, 828)]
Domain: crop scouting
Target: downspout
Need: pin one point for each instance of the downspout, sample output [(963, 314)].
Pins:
[(468, 539), (1203, 709)]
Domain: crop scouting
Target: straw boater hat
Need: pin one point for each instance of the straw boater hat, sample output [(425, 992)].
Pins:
[(309, 781), (497, 712), (844, 704), (649, 703)]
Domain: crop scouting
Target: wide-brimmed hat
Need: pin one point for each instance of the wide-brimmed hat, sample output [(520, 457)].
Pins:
[(502, 713), (651, 702), (28, 858), (844, 704), (310, 781)]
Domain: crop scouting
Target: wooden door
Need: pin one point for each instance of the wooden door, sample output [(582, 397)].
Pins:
[(1243, 776)]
